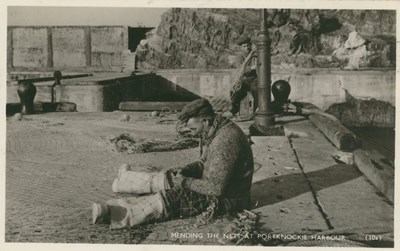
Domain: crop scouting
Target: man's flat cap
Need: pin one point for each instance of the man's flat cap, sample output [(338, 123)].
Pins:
[(196, 108)]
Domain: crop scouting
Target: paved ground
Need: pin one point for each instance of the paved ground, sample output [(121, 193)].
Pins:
[(59, 163)]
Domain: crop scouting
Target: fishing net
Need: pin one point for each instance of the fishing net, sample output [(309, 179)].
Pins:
[(125, 143), (243, 228), (208, 215)]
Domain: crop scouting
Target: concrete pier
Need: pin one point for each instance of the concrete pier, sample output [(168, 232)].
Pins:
[(65, 161)]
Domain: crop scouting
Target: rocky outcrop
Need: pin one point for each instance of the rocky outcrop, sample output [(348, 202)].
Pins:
[(207, 38), (364, 113)]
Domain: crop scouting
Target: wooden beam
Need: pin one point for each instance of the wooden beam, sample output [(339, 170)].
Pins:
[(380, 173), (339, 135), (150, 105)]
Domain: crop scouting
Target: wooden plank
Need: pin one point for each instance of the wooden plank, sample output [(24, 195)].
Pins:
[(150, 105), (380, 172)]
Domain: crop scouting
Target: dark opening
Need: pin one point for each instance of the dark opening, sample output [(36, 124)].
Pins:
[(379, 139), (135, 35)]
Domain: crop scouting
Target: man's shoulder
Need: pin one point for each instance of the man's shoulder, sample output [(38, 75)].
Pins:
[(231, 131)]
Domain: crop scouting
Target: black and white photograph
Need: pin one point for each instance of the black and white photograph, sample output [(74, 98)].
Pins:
[(200, 125)]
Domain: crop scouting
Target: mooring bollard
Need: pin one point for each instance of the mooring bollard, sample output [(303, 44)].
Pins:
[(57, 81), (26, 92)]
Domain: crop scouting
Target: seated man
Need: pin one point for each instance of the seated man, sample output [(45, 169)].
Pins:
[(219, 182)]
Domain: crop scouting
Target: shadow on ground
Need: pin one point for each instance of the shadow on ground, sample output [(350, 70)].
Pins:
[(280, 188)]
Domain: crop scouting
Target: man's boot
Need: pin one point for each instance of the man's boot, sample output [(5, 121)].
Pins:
[(139, 182), (128, 212), (100, 213)]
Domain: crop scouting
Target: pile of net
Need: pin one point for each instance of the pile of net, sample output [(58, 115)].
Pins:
[(243, 230), (125, 143)]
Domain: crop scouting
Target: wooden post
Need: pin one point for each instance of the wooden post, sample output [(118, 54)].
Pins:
[(50, 47)]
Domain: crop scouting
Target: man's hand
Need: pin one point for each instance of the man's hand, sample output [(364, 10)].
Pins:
[(177, 180)]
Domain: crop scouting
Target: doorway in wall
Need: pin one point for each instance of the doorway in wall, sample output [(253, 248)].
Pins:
[(135, 34)]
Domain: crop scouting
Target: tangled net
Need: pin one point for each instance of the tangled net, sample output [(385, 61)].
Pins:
[(125, 143), (208, 215), (243, 228)]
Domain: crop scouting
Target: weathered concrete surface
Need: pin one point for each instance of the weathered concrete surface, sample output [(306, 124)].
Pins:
[(280, 191), (57, 164), (107, 44), (345, 195), (68, 47), (29, 47)]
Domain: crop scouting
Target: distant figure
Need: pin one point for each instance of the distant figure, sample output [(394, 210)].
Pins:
[(57, 77), (248, 82), (248, 78), (57, 81)]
